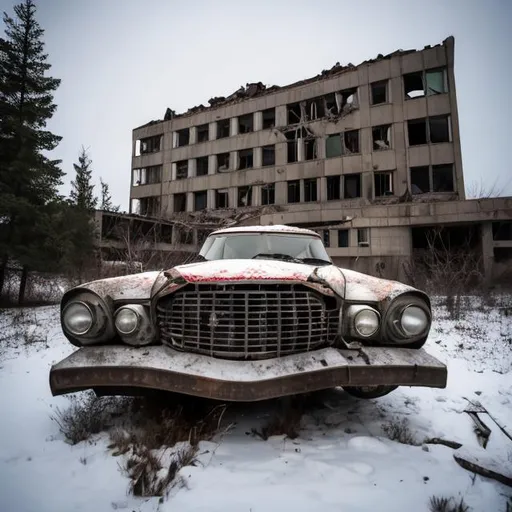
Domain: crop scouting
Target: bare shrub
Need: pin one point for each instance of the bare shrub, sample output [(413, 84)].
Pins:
[(398, 430), (442, 504)]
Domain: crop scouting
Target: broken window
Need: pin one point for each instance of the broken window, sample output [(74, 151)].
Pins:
[(223, 129), (439, 128), (381, 137), (268, 155), (245, 123), (502, 230), (150, 144), (245, 159), (310, 149), (294, 191), (183, 138), (147, 175), (182, 169), (149, 206), (442, 178), (223, 162), (413, 85), (330, 105), (222, 198), (363, 237), (383, 183), (180, 203), (351, 142), (310, 190), (333, 188), (200, 200), (203, 133), (294, 113), (185, 236), (202, 166), (417, 130), (437, 82), (342, 237), (333, 146), (269, 118), (420, 179), (268, 194), (326, 236), (352, 186), (348, 99), (379, 92), (244, 196)]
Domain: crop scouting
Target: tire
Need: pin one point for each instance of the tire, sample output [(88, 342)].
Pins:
[(368, 392)]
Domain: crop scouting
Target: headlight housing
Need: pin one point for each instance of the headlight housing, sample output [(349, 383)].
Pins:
[(133, 324), (126, 320), (363, 321), (407, 320), (77, 318)]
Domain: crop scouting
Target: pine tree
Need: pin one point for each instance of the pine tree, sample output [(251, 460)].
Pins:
[(28, 178), (106, 199), (82, 189)]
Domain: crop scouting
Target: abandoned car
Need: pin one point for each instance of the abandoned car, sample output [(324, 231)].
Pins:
[(263, 313)]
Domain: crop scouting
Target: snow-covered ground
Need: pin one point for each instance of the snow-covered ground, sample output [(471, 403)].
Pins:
[(341, 461)]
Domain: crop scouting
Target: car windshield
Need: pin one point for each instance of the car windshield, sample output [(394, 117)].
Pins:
[(287, 247)]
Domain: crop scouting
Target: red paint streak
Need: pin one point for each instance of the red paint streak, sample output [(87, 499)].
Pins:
[(251, 277)]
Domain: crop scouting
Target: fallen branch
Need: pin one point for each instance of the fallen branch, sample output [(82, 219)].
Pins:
[(444, 442), (482, 464), (483, 432)]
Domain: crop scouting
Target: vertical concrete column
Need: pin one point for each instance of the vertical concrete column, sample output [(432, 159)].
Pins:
[(257, 157), (487, 250), (190, 201), (322, 189), (256, 195), (281, 116), (233, 129), (192, 135), (233, 160), (233, 197), (212, 131), (210, 199), (281, 153), (212, 164), (258, 121), (192, 168), (281, 192), (173, 171)]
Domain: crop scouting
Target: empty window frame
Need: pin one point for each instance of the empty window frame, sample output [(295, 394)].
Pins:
[(326, 237), (351, 186), (203, 133), (268, 194), (223, 162), (310, 149), (310, 190), (343, 238), (147, 175), (350, 141), (269, 118), (381, 136), (182, 169), (245, 158), (333, 146), (202, 166), (294, 191), (222, 198), (421, 83), (268, 155), (246, 123), (420, 179), (434, 130), (346, 143), (149, 206), (244, 196), (294, 113), (333, 188), (182, 138), (442, 178), (200, 200), (223, 128), (379, 92), (149, 145), (502, 230), (180, 203), (363, 237), (438, 178), (185, 236), (383, 183)]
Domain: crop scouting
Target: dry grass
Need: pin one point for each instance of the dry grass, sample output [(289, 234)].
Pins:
[(398, 430), (285, 420), (442, 504)]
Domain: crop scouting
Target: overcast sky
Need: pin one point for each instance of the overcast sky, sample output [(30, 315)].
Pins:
[(123, 62)]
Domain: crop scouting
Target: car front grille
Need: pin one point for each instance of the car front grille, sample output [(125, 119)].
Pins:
[(247, 321)]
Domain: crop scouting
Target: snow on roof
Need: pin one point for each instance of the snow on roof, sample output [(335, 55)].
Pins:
[(277, 228)]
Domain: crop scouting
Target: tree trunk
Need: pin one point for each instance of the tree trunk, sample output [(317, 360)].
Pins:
[(23, 285), (3, 269)]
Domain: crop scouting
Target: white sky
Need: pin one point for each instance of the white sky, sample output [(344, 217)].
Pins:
[(123, 62)]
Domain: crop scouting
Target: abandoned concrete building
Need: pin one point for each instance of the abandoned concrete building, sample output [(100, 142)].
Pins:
[(367, 155)]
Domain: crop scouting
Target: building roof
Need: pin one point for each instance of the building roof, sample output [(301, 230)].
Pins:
[(276, 228)]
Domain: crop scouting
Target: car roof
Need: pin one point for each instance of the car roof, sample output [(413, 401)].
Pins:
[(276, 228)]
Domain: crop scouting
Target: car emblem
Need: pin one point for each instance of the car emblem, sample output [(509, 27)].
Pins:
[(214, 321)]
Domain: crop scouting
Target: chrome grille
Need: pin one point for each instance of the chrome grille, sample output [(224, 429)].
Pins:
[(247, 321)]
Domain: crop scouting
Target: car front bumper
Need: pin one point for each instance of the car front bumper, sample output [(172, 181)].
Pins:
[(117, 369)]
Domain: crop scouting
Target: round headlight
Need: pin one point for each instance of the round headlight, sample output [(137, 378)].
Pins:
[(126, 321), (366, 322), (77, 318), (414, 321)]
